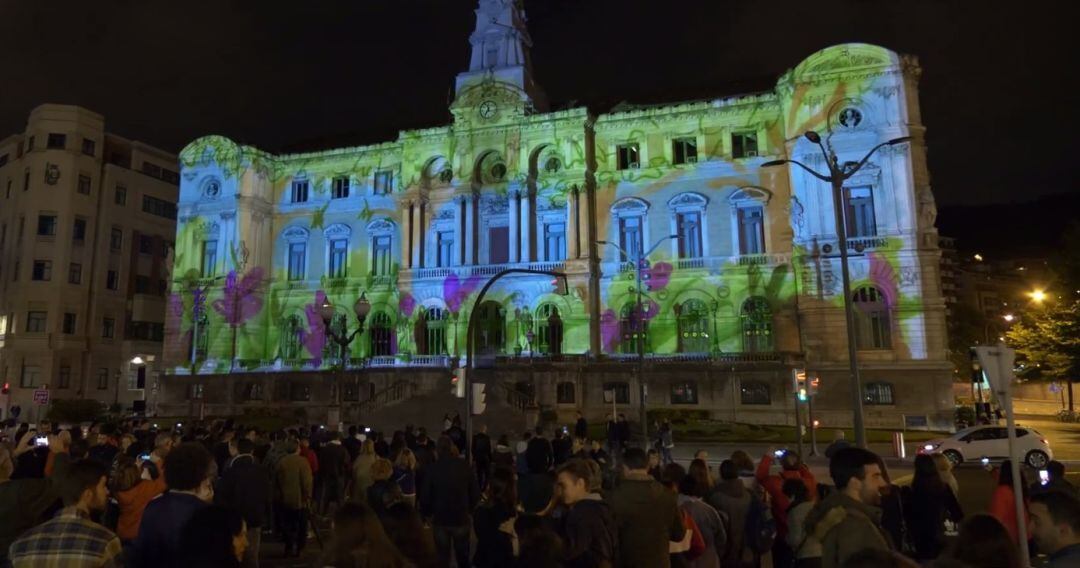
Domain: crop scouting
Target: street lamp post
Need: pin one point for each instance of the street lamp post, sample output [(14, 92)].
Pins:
[(639, 327), (198, 296), (838, 174), (361, 308)]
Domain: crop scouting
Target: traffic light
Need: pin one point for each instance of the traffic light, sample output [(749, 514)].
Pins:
[(479, 398), (801, 392), (815, 382), (7, 388), (976, 368), (457, 382)]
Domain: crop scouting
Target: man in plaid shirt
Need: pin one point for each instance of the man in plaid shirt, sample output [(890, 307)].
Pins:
[(71, 539)]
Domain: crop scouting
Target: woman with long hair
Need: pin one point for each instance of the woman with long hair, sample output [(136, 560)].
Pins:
[(1003, 502), (405, 474), (359, 541), (932, 503), (493, 521), (703, 479), (361, 472), (214, 537), (384, 491), (984, 542), (133, 489), (945, 467)]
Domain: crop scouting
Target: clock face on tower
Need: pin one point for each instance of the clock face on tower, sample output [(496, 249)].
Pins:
[(488, 109)]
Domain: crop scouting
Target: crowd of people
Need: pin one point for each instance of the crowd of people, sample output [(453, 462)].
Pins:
[(206, 495)]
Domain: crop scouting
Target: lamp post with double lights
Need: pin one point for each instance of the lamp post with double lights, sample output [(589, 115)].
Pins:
[(639, 324), (361, 308), (838, 174)]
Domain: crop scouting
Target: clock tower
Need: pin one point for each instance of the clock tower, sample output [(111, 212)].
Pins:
[(500, 54)]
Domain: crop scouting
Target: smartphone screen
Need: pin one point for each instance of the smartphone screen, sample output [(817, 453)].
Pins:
[(1044, 476), (779, 453), (41, 441)]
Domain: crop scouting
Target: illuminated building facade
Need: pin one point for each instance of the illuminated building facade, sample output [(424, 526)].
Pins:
[(748, 290)]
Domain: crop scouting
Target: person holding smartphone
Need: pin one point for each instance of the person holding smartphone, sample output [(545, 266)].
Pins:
[(791, 467)]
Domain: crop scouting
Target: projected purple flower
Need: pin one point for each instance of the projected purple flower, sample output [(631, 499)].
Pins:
[(609, 329), (884, 278), (314, 338), (456, 291), (241, 300), (658, 275), (407, 304)]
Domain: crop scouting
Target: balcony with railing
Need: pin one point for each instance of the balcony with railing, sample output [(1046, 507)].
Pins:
[(704, 262), (479, 270)]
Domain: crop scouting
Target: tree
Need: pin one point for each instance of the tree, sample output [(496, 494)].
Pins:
[(1048, 339)]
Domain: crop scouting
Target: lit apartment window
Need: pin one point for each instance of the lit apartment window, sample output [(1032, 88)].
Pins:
[(751, 229), (340, 188), (689, 228), (297, 260), (630, 237), (42, 271), (209, 258), (380, 255), (299, 191), (84, 185), (339, 253), (859, 207), (627, 156), (744, 145), (56, 141), (684, 151)]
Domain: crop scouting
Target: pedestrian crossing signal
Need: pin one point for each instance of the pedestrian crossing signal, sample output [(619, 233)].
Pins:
[(457, 383)]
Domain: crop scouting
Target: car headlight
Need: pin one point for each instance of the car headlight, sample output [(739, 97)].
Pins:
[(931, 447)]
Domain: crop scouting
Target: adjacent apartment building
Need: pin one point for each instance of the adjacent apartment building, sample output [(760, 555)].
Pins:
[(87, 220)]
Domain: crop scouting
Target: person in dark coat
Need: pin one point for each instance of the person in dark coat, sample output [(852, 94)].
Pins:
[(334, 471), (589, 531), (561, 447), (189, 469), (448, 494), (481, 447), (581, 427), (246, 488), (493, 522), (539, 455), (384, 492), (646, 514), (929, 504)]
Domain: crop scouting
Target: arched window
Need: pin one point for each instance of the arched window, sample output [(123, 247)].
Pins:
[(757, 325), (754, 392), (431, 332), (564, 393), (382, 335), (632, 328), (549, 330), (693, 320), (292, 333), (878, 393), (748, 223), (688, 221), (201, 344), (490, 328), (628, 218), (872, 324)]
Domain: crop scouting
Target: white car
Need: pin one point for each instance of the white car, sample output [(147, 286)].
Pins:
[(991, 442)]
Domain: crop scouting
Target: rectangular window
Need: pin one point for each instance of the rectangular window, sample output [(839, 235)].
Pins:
[(75, 273), (26, 181), (68, 327), (142, 284), (630, 238), (380, 255), (31, 377), (339, 253), (42, 271), (89, 147), (158, 207), (297, 260), (684, 393), (880, 394), (684, 151), (751, 230), (627, 157), (151, 169), (102, 378), (170, 176), (112, 280), (3, 160), (209, 258), (56, 141), (84, 185), (120, 196), (35, 321), (445, 253), (744, 145), (755, 392), (146, 244), (384, 182), (299, 191), (116, 239), (108, 328), (859, 210), (554, 242), (498, 245), (63, 379), (689, 230), (78, 230), (341, 187), (46, 225), (621, 392)]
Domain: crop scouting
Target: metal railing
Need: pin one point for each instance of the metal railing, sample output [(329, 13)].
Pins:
[(517, 400), (396, 392), (481, 269)]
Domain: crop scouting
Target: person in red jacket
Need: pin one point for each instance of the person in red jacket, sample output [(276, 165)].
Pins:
[(791, 467), (1003, 503)]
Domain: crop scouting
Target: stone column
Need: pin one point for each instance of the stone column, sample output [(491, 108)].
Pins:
[(422, 229), (513, 212), (406, 234), (526, 233), (573, 245), (470, 230), (459, 230), (414, 230)]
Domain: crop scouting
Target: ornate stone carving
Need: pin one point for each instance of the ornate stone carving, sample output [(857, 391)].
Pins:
[(382, 225), (492, 205), (927, 208), (628, 204), (798, 216), (337, 230), (295, 234), (909, 276), (688, 199)]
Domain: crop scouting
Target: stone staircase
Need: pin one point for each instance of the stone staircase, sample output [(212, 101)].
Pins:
[(426, 404)]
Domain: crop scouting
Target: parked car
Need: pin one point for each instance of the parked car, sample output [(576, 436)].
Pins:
[(991, 442)]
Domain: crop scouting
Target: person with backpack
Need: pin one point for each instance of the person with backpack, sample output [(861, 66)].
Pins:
[(712, 524), (791, 467), (805, 548)]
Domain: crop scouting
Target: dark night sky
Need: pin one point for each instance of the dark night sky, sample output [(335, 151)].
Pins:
[(998, 89)]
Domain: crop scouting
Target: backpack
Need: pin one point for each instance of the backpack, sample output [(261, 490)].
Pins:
[(760, 526)]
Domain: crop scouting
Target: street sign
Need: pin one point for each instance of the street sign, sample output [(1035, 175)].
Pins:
[(41, 396), (997, 362)]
